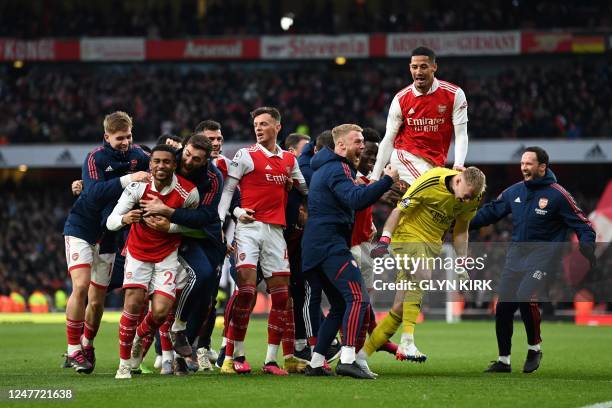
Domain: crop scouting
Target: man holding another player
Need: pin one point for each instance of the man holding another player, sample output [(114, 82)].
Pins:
[(151, 261), (326, 257)]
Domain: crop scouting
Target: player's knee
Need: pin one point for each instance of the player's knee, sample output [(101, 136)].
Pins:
[(247, 276), (80, 289)]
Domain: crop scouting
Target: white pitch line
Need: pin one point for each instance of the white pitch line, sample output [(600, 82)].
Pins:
[(606, 404)]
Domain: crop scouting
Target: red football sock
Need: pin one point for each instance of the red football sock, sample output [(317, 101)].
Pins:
[(240, 314), (148, 326), (74, 329), (127, 331), (276, 318), (164, 337), (90, 331)]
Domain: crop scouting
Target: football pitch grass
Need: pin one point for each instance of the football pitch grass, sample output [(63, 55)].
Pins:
[(576, 371)]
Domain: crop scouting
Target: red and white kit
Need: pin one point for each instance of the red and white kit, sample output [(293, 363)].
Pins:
[(420, 128), (81, 254), (261, 176), (151, 261), (222, 164), (361, 245)]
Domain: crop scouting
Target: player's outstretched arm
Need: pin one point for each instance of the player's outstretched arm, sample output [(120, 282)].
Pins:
[(394, 121), (461, 146), (491, 212), (460, 119), (382, 247), (354, 196)]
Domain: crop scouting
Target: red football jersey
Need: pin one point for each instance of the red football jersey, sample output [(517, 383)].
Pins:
[(148, 245), (221, 162), (362, 229), (262, 176), (427, 120)]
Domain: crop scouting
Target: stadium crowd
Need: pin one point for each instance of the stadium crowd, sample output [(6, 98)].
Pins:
[(31, 249), (565, 98), (170, 19)]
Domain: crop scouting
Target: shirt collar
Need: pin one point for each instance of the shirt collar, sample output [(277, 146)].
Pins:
[(434, 87), (166, 190), (279, 151)]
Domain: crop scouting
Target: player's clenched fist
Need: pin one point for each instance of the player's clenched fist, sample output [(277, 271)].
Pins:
[(132, 217), (392, 172)]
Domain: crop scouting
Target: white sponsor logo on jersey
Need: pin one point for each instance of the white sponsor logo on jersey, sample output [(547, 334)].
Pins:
[(517, 200), (280, 179), (109, 168), (268, 167)]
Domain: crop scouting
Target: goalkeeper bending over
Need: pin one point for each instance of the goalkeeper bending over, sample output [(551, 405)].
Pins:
[(417, 225)]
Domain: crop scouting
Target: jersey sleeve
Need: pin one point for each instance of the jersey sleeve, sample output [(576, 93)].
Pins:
[(355, 196), (394, 122), (192, 199), (298, 178), (460, 108), (492, 212), (129, 198), (206, 213), (574, 218), (240, 165)]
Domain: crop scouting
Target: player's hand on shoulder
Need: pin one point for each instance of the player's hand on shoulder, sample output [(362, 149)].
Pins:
[(140, 176), (392, 172), (132, 217), (77, 187), (173, 143), (458, 168)]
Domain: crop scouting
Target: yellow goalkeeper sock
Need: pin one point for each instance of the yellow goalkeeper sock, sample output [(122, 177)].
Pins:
[(384, 330), (411, 309)]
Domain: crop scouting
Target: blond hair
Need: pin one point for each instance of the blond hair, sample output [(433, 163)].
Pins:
[(116, 122), (474, 177), (343, 130)]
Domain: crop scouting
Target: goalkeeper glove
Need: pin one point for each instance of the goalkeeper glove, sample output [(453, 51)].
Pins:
[(381, 249)]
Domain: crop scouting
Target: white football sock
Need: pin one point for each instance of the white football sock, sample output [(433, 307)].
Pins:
[(86, 342), (167, 355), (178, 325), (271, 353), (72, 348), (362, 355), (535, 347), (407, 338), (504, 359), (224, 342), (238, 348), (317, 360), (300, 344), (347, 355), (123, 362)]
